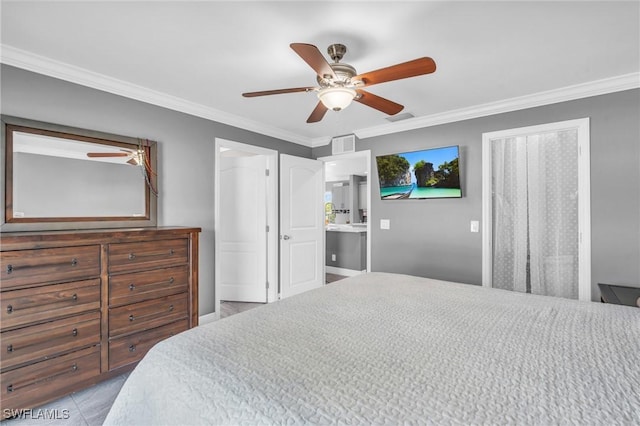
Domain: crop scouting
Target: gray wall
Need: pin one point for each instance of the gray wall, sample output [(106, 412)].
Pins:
[(186, 146), (431, 238)]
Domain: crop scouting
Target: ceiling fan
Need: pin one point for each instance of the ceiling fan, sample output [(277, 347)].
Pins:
[(135, 157), (339, 83)]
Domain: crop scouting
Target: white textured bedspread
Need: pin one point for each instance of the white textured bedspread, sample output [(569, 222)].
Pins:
[(395, 349)]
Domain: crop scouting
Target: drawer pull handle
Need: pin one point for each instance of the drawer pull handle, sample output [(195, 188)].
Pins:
[(11, 309), (131, 318), (10, 348), (132, 286), (74, 262), (75, 332), (12, 387), (171, 280), (132, 348), (170, 308), (132, 256)]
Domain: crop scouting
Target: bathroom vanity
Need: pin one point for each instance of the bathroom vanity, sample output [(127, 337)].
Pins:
[(346, 246)]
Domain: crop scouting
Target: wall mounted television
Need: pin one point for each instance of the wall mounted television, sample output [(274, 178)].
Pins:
[(430, 173)]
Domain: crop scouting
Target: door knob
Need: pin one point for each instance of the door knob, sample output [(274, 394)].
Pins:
[(286, 237)]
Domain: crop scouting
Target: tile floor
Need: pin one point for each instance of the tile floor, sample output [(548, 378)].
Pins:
[(85, 408), (331, 278), (231, 308), (90, 407)]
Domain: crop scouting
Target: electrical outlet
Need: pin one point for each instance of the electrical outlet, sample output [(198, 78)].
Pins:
[(333, 257)]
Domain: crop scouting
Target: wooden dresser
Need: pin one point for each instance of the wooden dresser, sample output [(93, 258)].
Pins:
[(79, 307)]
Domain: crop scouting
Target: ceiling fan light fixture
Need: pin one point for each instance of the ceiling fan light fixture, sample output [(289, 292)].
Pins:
[(336, 98)]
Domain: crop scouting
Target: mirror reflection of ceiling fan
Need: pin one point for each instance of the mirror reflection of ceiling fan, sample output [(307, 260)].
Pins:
[(339, 84), (135, 158)]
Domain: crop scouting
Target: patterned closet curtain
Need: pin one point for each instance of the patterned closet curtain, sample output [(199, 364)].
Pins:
[(535, 213)]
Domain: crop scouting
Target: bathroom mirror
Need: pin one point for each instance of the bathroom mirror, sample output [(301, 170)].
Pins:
[(59, 177)]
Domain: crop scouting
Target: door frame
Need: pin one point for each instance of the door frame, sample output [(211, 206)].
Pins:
[(272, 215), (584, 198), (366, 154)]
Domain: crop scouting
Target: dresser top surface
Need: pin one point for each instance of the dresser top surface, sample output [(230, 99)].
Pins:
[(37, 239)]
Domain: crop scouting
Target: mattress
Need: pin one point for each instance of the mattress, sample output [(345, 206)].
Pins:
[(385, 348)]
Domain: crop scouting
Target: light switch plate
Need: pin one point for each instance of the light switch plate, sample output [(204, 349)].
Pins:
[(385, 224), (475, 226)]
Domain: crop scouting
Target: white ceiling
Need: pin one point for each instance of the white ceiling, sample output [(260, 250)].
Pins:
[(199, 56)]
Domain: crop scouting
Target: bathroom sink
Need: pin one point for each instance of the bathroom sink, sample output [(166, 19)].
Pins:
[(356, 227)]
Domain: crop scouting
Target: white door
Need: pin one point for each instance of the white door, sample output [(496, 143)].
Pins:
[(301, 225), (243, 229)]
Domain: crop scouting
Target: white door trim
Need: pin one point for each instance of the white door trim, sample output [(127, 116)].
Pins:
[(272, 215), (584, 197), (367, 155)]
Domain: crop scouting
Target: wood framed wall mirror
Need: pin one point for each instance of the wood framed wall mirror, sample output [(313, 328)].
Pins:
[(59, 177)]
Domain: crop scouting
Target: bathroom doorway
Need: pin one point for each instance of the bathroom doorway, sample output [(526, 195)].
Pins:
[(347, 213)]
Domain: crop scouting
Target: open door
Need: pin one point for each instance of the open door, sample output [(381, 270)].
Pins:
[(243, 229), (245, 223), (301, 225)]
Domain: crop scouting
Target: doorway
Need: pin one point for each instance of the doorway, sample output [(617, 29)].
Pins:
[(536, 210), (246, 237), (348, 209)]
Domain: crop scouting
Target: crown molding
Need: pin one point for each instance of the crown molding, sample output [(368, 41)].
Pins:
[(42, 65), (320, 141), (577, 91)]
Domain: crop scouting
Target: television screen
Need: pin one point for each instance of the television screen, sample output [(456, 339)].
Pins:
[(431, 173)]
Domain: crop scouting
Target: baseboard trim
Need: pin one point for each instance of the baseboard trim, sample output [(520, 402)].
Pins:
[(207, 318), (342, 271)]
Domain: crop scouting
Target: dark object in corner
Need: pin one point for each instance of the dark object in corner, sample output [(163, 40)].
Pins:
[(619, 294)]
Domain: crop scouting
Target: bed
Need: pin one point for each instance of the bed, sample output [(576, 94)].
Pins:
[(385, 348)]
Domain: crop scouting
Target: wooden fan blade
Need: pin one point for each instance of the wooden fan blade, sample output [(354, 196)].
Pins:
[(312, 56), (277, 92), (318, 113), (132, 161), (377, 102), (413, 68), (107, 154)]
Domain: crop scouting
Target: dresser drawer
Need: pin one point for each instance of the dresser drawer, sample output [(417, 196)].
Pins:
[(132, 348), (125, 257), (139, 286), (42, 341), (25, 267), (145, 315), (48, 379), (21, 307)]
